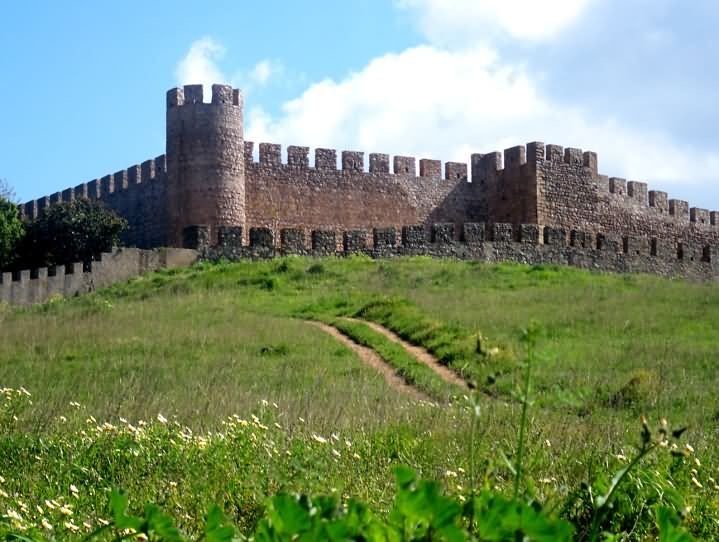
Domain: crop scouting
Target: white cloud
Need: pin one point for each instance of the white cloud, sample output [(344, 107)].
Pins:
[(199, 65), (449, 21), (263, 70), (434, 103)]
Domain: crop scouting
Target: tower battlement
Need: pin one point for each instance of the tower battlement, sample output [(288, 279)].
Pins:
[(210, 176)]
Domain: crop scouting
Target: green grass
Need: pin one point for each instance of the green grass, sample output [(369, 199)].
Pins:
[(201, 344)]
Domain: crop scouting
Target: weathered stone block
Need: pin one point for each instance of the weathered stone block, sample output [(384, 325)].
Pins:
[(270, 155), (443, 234), (261, 238), (325, 159), (555, 236), (404, 165), (529, 233), (298, 156), (378, 163), (352, 161), (455, 171), (229, 237), (324, 242), (430, 168), (474, 232), (502, 233), (354, 241), (292, 240), (413, 236), (384, 237)]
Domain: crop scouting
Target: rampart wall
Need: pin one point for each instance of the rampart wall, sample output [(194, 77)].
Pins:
[(209, 176), (291, 193), (39, 285), (525, 243), (138, 193)]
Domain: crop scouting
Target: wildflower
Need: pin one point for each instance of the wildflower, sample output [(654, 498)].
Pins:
[(4, 494), (688, 448), (12, 514), (319, 439), (50, 504), (46, 524), (103, 522), (70, 526), (356, 455), (161, 418), (39, 509), (66, 510), (2, 480), (336, 453), (450, 474), (696, 482), (301, 419), (24, 391), (278, 426)]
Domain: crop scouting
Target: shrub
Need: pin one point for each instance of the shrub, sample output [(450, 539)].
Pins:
[(70, 232), (12, 228)]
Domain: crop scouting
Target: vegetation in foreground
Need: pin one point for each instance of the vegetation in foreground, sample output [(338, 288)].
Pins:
[(203, 344)]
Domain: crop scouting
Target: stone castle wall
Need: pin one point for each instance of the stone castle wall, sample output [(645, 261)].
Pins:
[(525, 243), (39, 285), (209, 176), (138, 193), (291, 193)]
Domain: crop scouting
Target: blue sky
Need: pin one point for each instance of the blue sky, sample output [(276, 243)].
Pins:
[(634, 80)]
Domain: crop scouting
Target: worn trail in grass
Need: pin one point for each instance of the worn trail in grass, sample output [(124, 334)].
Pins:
[(420, 354), (372, 359)]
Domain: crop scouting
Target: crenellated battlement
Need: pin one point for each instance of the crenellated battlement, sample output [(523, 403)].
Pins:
[(101, 188), (322, 200), (524, 243), (193, 95), (295, 157)]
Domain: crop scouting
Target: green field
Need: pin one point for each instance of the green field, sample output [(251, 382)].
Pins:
[(208, 348)]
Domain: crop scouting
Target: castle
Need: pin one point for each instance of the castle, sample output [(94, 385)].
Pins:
[(533, 203)]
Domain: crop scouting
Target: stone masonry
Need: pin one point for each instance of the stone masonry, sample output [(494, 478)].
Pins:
[(212, 188)]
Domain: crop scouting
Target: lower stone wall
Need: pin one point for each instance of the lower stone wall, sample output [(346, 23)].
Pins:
[(527, 244), (39, 285)]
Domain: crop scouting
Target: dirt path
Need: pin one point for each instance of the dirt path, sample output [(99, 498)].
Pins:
[(371, 358), (418, 353)]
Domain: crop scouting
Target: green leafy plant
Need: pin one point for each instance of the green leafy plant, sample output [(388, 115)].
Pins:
[(67, 232)]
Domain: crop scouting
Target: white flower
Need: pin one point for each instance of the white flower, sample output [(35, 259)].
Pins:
[(161, 418), (450, 474), (65, 510), (319, 439), (70, 526), (336, 453), (12, 514), (46, 524)]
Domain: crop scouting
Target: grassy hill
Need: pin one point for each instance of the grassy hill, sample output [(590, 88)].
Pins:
[(210, 347)]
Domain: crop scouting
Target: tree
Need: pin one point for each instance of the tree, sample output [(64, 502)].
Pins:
[(73, 231), (12, 228)]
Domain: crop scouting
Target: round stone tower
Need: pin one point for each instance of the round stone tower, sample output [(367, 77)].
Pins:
[(205, 160)]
